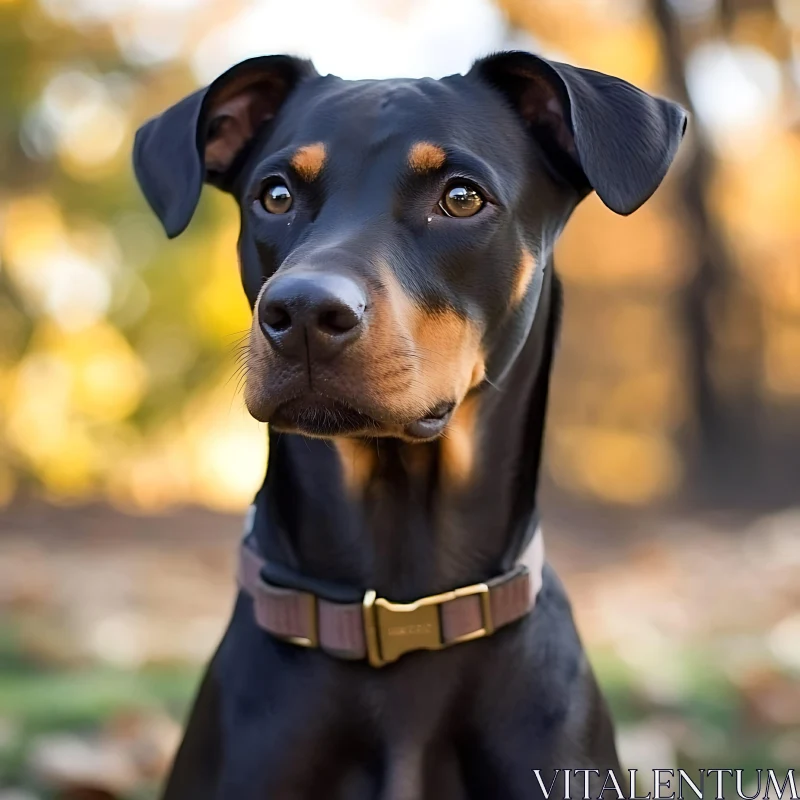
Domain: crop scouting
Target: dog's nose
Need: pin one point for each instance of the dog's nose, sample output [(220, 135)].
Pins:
[(322, 312)]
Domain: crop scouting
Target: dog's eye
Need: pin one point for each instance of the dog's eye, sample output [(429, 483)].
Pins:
[(277, 199), (461, 200)]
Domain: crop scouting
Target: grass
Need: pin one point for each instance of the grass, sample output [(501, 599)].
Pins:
[(37, 699)]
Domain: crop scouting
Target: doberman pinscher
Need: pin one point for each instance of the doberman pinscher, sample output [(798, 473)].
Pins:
[(397, 634)]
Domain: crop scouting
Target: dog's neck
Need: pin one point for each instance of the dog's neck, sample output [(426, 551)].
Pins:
[(410, 520)]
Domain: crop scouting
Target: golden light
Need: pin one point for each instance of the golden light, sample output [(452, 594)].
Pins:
[(61, 273), (214, 455), (88, 126), (93, 141), (8, 484), (613, 464), (227, 450), (219, 307), (782, 359)]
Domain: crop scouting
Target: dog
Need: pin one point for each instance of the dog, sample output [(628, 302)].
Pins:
[(398, 634)]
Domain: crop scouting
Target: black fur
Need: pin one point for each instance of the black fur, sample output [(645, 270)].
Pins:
[(276, 721)]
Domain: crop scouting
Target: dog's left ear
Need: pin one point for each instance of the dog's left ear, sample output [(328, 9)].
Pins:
[(599, 132), (207, 135)]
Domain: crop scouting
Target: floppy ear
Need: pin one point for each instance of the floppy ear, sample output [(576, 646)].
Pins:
[(205, 136), (599, 132)]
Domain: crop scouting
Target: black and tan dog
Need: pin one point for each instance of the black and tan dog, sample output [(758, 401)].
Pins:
[(396, 246)]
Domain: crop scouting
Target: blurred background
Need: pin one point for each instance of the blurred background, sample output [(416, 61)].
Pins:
[(672, 494)]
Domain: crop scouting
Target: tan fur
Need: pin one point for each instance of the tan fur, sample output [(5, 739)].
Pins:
[(309, 160), (414, 360), (436, 354), (478, 372), (358, 462), (237, 110), (449, 343), (235, 129), (425, 156), (525, 272), (459, 444)]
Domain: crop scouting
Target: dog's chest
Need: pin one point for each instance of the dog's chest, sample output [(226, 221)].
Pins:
[(303, 725)]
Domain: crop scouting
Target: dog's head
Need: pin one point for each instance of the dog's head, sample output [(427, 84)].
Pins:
[(394, 233)]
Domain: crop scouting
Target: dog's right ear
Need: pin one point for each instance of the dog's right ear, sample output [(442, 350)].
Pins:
[(205, 136)]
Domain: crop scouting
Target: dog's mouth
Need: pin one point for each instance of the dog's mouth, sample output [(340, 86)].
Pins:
[(432, 425), (325, 417), (322, 416)]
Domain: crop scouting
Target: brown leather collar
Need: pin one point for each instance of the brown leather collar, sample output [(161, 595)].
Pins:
[(382, 631)]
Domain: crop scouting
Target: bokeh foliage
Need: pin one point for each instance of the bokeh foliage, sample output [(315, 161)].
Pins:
[(680, 370), (117, 347), (117, 382)]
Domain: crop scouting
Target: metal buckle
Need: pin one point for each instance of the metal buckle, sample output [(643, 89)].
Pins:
[(393, 629)]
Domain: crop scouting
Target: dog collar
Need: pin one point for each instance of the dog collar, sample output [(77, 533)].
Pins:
[(381, 631)]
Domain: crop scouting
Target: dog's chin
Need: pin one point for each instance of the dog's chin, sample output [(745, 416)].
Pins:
[(323, 417)]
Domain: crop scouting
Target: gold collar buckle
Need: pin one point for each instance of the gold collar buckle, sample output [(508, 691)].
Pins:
[(393, 629)]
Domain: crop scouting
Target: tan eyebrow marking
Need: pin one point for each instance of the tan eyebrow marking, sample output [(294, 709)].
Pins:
[(425, 156), (309, 160), (525, 270)]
